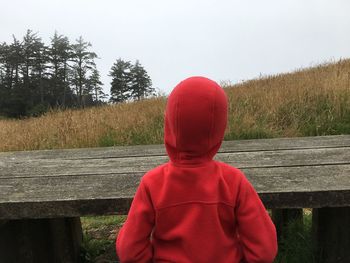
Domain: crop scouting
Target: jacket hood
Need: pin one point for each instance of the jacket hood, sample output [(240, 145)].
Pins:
[(195, 121)]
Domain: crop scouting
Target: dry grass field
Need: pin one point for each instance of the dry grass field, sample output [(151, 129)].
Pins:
[(313, 101)]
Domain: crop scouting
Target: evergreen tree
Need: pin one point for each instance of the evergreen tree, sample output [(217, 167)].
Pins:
[(34, 76), (3, 91), (141, 84), (95, 87), (121, 81), (83, 64), (60, 53), (32, 69), (39, 71), (14, 60), (7, 68), (4, 65), (2, 62), (28, 53)]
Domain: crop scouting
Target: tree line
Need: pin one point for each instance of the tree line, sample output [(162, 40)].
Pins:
[(35, 77)]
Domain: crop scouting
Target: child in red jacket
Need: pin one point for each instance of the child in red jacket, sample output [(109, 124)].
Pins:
[(194, 209)]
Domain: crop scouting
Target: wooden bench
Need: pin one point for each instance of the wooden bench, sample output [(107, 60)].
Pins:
[(43, 193)]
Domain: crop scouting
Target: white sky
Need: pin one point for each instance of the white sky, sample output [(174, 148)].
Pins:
[(222, 39)]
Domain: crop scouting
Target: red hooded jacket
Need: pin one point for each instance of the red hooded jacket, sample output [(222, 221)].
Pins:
[(194, 209)]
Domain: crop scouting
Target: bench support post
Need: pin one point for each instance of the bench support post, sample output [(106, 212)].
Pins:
[(331, 232), (41, 240), (281, 218)]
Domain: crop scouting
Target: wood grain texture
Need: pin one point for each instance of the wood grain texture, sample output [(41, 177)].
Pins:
[(287, 173), (259, 159), (159, 150)]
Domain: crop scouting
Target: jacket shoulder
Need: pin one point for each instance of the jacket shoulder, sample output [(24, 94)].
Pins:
[(154, 174), (230, 170)]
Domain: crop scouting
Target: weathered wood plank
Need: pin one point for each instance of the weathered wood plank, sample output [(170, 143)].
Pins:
[(287, 173), (280, 187), (263, 159), (159, 150), (113, 206), (266, 180)]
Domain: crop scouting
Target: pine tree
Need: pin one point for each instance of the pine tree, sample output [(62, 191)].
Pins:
[(12, 101), (95, 86), (32, 70), (83, 63), (4, 94), (121, 81), (60, 52), (5, 67), (3, 52), (40, 74), (14, 60), (34, 76), (28, 52), (141, 84)]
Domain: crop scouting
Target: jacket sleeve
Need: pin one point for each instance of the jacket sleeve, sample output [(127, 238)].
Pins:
[(256, 230), (133, 241)]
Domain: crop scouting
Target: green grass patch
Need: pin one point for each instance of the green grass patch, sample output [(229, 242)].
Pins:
[(150, 134), (99, 238), (92, 248), (297, 246), (108, 139), (98, 221)]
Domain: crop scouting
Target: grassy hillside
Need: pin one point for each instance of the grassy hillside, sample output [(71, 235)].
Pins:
[(314, 101)]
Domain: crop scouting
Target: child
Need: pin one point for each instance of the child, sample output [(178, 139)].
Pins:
[(194, 209)]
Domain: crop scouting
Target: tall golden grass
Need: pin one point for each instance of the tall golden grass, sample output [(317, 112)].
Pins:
[(313, 101)]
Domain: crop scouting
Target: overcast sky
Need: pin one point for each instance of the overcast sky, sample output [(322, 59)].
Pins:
[(220, 39)]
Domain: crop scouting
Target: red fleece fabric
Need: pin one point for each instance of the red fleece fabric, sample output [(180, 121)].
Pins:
[(194, 209)]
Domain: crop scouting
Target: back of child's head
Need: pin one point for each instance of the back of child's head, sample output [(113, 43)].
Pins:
[(195, 120)]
